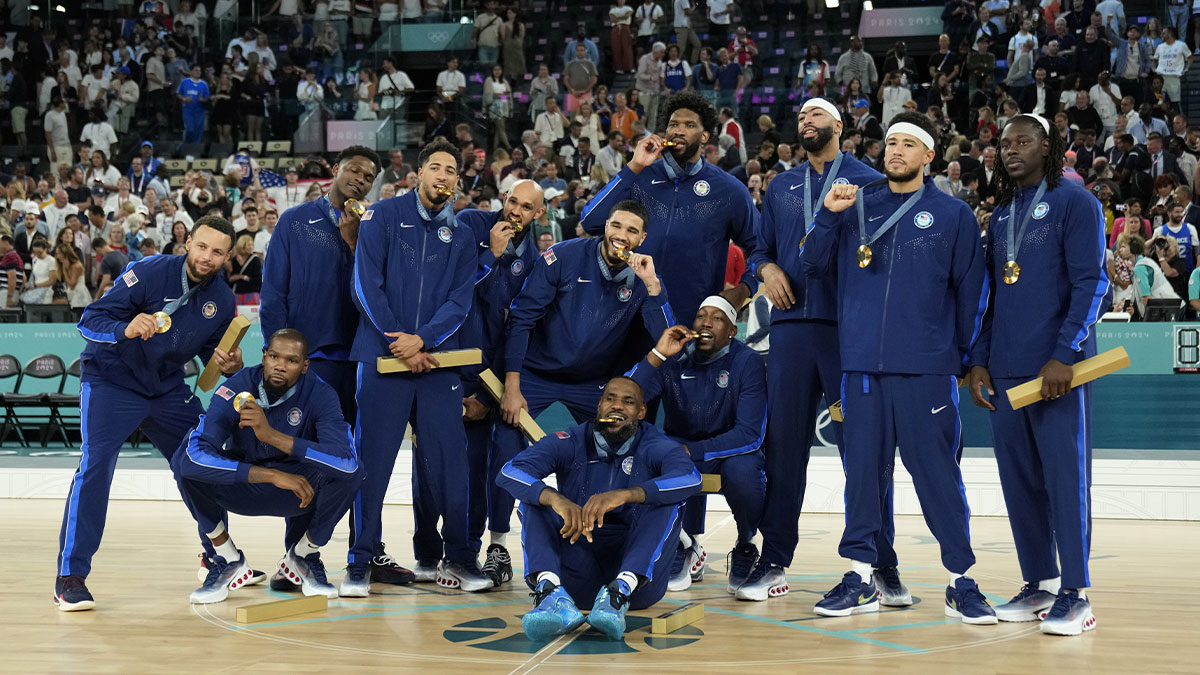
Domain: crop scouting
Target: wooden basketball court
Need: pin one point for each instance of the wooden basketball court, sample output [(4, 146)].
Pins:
[(147, 564)]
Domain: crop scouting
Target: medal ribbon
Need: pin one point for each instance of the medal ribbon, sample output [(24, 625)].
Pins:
[(1015, 238), (887, 224), (830, 174)]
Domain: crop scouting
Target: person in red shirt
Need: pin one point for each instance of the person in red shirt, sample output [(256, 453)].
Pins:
[(744, 51), (735, 265)]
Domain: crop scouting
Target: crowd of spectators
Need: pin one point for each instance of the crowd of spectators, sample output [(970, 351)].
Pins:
[(565, 114)]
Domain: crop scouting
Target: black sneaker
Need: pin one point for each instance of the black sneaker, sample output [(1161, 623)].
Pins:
[(385, 569), (71, 594), (498, 565), (282, 584)]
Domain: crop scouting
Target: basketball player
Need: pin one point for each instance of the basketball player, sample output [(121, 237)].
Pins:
[(805, 363), (899, 383), (414, 275), (714, 397), (1049, 286), (132, 375), (286, 451), (606, 531)]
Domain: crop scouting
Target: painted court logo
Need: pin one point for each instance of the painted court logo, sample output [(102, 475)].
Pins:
[(923, 220), (293, 417), (1041, 210), (210, 309), (445, 234), (517, 266), (498, 634), (701, 188)]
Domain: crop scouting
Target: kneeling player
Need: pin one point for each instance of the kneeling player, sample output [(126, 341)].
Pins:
[(714, 396), (285, 452), (627, 530)]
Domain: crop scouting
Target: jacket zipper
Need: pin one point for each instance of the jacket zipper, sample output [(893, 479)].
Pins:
[(887, 291), (421, 285)]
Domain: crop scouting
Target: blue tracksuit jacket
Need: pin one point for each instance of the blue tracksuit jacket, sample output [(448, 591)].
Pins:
[(717, 408), (217, 451), (155, 366), (1061, 292), (917, 308), (306, 280), (656, 463), (570, 320), (412, 274), (782, 228), (691, 222)]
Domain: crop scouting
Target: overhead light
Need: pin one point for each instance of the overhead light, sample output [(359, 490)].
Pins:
[(34, 8), (465, 20), (831, 4), (60, 8), (868, 6)]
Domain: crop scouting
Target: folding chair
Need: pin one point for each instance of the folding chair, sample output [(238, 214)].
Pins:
[(44, 367), (9, 367), (72, 420)]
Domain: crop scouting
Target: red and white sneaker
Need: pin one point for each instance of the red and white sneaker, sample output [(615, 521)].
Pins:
[(223, 576)]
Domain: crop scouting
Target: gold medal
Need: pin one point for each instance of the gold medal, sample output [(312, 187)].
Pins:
[(162, 322), (355, 207), (1012, 272), (517, 225), (444, 190), (864, 255), (802, 240), (241, 400), (623, 253)]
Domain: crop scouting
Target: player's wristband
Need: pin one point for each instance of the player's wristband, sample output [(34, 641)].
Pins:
[(654, 351)]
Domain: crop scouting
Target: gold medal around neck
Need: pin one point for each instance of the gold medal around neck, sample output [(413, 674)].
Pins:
[(241, 400), (1012, 272), (354, 206), (864, 255), (624, 254), (162, 322)]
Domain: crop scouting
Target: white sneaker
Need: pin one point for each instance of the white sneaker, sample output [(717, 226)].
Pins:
[(356, 583), (426, 573), (1030, 604), (463, 576), (222, 577), (766, 581), (309, 572)]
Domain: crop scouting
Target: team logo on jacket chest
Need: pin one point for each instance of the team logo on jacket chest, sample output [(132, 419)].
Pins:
[(210, 309), (701, 188), (841, 181), (624, 294), (1041, 210), (517, 267), (293, 417), (723, 379), (445, 234), (923, 220), (627, 465)]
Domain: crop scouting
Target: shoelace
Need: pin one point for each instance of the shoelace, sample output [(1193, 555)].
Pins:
[(1062, 605), (760, 570), (539, 595), (317, 568), (889, 575), (973, 593), (384, 560), (741, 561), (1026, 591), (615, 597), (843, 587), (74, 583), (216, 569)]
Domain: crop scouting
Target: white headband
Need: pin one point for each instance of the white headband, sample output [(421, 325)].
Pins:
[(823, 105), (721, 304), (912, 130), (1039, 119)]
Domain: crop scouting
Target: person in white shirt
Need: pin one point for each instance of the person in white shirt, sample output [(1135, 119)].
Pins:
[(612, 156), (262, 238), (246, 41), (551, 125), (1172, 59), (93, 87), (451, 83), (6, 52), (120, 111), (951, 183), (116, 200), (999, 9), (56, 213), (394, 86), (309, 91), (720, 13), (288, 195), (99, 132), (58, 136), (1023, 35), (1112, 17), (74, 76), (1106, 98), (685, 36), (38, 287), (646, 18), (893, 95)]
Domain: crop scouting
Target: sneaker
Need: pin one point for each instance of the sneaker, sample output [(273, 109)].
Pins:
[(385, 569), (892, 592), (497, 566), (1070, 615), (740, 563), (964, 600), (608, 611), (357, 582), (554, 613), (71, 594), (850, 596), (257, 576), (425, 572), (309, 572), (1031, 604), (464, 576), (223, 576), (681, 576), (765, 581), (281, 584)]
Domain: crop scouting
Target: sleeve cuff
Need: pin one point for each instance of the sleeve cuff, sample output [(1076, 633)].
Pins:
[(242, 475), (487, 258), (1065, 355), (651, 490), (299, 450)]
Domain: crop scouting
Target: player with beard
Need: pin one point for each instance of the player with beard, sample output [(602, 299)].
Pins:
[(1046, 257), (414, 276), (306, 286), (902, 354), (132, 375), (506, 258), (287, 451), (805, 363), (567, 326), (695, 208), (582, 540)]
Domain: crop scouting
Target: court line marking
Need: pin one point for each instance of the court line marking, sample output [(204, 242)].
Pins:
[(370, 615), (570, 637)]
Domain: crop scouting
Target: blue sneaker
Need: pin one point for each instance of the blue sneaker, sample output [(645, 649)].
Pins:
[(740, 562), (1071, 615), (608, 611), (965, 601), (851, 596), (892, 591), (223, 576), (71, 594), (309, 572), (357, 582), (1031, 604), (554, 613)]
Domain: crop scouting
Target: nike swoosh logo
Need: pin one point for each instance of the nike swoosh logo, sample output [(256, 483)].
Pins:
[(871, 220), (656, 182), (454, 388), (687, 377), (934, 411), (795, 186), (583, 281), (404, 225), (315, 220), (865, 598)]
